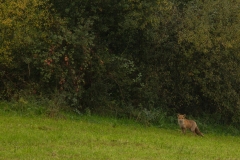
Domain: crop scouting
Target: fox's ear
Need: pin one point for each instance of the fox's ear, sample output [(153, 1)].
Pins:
[(184, 115), (178, 114)]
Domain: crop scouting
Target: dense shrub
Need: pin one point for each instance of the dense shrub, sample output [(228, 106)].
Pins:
[(128, 58)]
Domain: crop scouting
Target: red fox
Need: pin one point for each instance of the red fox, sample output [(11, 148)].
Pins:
[(185, 124)]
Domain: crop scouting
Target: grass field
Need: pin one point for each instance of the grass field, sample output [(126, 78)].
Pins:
[(91, 137)]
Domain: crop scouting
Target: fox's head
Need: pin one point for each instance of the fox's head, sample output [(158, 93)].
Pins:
[(181, 117)]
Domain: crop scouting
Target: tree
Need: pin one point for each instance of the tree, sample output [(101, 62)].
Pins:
[(210, 43), (24, 26)]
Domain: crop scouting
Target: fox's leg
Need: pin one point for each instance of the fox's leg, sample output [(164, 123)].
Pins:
[(193, 130), (183, 130)]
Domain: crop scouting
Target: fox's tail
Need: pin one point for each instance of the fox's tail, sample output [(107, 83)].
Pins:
[(198, 132)]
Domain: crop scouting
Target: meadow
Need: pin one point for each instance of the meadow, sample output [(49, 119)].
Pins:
[(93, 137)]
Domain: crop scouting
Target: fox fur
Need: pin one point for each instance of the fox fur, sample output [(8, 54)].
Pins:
[(188, 124)]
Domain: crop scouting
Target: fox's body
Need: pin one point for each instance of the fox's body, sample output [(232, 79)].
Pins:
[(188, 124)]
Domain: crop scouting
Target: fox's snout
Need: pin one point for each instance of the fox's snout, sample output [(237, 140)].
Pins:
[(180, 121)]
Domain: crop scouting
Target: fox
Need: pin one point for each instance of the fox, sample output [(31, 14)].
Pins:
[(188, 124)]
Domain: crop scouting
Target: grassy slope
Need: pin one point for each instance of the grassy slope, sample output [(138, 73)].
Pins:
[(99, 138)]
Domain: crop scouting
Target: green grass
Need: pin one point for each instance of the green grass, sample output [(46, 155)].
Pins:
[(91, 137)]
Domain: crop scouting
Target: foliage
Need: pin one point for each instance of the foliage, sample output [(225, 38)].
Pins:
[(210, 40), (129, 58), (24, 29)]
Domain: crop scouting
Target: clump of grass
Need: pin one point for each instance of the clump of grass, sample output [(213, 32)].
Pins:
[(35, 106)]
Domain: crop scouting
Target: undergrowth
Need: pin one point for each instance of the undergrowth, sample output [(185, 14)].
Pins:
[(57, 109)]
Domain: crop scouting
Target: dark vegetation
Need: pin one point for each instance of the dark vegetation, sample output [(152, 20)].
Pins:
[(144, 60)]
